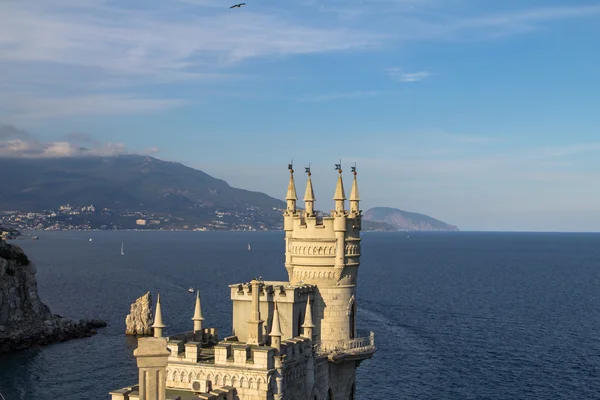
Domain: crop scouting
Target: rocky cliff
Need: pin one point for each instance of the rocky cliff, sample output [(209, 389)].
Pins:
[(140, 320), (24, 319)]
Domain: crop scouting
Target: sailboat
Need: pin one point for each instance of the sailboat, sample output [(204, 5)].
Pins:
[(249, 247), (122, 252)]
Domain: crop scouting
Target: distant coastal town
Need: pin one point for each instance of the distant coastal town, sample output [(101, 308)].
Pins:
[(88, 217)]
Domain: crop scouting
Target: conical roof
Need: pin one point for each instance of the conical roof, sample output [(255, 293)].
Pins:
[(308, 320), (354, 192), (197, 311), (158, 321), (276, 326), (291, 191), (339, 189), (309, 195)]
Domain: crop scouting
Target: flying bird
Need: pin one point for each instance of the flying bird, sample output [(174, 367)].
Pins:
[(238, 5)]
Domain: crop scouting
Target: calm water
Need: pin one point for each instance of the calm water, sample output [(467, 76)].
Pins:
[(456, 315)]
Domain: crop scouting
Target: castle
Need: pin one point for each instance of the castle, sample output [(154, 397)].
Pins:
[(291, 340)]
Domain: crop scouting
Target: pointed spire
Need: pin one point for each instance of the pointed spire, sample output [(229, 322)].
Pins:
[(309, 194), (308, 321), (158, 321), (291, 191), (339, 189), (354, 192), (197, 318), (276, 325)]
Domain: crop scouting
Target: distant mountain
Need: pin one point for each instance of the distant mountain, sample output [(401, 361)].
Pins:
[(404, 220), (126, 183)]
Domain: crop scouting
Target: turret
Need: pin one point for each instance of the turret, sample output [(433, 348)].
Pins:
[(308, 325), (339, 195), (354, 197), (309, 196), (158, 321), (255, 329), (291, 197), (276, 330), (197, 318)]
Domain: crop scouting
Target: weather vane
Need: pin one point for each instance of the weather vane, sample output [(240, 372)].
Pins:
[(354, 169), (291, 166), (338, 167), (308, 169)]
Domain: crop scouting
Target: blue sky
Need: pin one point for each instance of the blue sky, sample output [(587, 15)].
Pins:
[(479, 113)]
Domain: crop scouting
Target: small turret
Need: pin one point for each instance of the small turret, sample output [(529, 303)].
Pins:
[(308, 324), (291, 196), (339, 195), (197, 318), (276, 333), (309, 196), (158, 321), (255, 329), (354, 197)]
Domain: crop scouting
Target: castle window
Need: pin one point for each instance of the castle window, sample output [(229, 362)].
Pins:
[(352, 317)]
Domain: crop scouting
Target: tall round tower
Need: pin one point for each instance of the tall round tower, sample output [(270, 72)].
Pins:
[(325, 251)]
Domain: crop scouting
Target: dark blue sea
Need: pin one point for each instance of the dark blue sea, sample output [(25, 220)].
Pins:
[(456, 315)]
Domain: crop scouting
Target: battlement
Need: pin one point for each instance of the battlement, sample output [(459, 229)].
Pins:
[(193, 347)]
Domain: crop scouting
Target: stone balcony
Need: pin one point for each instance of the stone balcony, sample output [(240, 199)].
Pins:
[(358, 349)]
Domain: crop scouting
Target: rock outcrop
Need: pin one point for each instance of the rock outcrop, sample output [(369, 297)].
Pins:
[(140, 319), (24, 319)]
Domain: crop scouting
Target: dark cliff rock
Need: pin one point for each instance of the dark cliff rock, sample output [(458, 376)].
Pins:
[(24, 319)]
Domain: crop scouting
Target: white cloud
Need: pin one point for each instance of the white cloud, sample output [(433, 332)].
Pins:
[(398, 75), (25, 145)]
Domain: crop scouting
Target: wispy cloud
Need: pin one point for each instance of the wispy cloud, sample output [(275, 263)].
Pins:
[(28, 106), (95, 50), (471, 138), (342, 96), (15, 142), (398, 75)]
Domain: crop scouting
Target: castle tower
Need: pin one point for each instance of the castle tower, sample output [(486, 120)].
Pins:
[(152, 356), (325, 251)]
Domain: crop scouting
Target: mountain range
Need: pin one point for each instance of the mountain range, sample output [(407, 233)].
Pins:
[(404, 220), (130, 184)]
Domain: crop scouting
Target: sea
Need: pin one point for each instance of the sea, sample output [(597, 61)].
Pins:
[(456, 315)]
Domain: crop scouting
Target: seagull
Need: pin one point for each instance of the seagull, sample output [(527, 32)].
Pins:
[(238, 5)]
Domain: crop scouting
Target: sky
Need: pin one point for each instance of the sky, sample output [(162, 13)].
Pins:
[(481, 113)]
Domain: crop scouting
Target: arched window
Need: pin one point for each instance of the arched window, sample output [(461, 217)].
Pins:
[(299, 324), (329, 395)]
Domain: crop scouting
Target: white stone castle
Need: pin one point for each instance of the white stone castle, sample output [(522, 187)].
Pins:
[(293, 340)]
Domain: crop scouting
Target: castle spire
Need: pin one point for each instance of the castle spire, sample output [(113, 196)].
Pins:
[(339, 195), (158, 321), (276, 330), (354, 197), (198, 318), (309, 195), (308, 324), (291, 196)]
